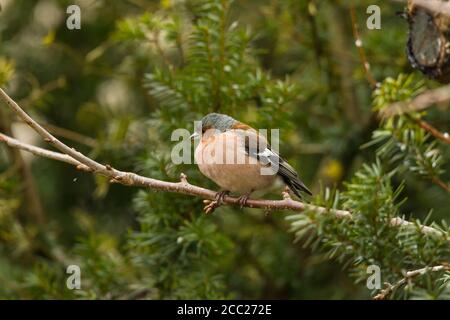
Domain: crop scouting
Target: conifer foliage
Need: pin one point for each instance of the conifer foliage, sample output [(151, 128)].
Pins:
[(276, 65)]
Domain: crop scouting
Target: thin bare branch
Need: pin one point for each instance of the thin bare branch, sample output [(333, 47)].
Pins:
[(408, 276), (84, 163), (14, 143), (444, 137), (71, 135), (399, 222), (425, 100), (32, 199), (186, 188), (431, 97), (132, 179), (362, 53)]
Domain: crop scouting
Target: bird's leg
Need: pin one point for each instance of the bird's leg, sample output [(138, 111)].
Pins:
[(217, 202), (243, 199), (220, 196)]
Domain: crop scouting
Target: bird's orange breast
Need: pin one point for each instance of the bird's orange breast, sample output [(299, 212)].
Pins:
[(223, 159)]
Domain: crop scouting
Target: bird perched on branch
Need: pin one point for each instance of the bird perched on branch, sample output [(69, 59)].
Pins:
[(239, 159)]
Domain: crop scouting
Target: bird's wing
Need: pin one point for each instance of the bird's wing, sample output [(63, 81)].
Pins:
[(257, 147)]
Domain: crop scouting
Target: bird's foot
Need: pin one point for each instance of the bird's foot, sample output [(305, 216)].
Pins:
[(242, 200), (286, 193), (217, 202), (220, 196)]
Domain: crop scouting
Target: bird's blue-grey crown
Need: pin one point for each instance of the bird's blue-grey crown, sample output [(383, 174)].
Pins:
[(218, 121)]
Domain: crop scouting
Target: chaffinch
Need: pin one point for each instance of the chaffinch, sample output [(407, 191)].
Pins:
[(239, 159)]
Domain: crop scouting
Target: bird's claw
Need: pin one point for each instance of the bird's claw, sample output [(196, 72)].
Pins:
[(210, 207), (286, 193), (220, 196), (217, 202), (242, 200)]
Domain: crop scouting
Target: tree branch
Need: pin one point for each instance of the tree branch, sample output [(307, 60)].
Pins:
[(13, 143), (31, 195), (444, 137), (399, 222), (132, 179), (186, 188), (385, 293), (71, 135), (421, 102), (362, 53), (82, 162)]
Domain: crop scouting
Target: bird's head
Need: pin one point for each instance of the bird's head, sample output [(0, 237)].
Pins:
[(216, 123)]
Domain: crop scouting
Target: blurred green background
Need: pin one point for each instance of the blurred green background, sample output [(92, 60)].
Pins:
[(136, 70)]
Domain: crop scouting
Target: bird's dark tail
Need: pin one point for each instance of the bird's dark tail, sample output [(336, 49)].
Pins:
[(290, 177)]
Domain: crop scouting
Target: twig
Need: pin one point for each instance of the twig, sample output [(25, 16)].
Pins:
[(13, 143), (385, 293), (432, 130), (441, 184), (71, 135), (31, 195), (362, 53), (131, 179), (421, 102), (186, 188), (399, 222), (343, 67), (81, 162)]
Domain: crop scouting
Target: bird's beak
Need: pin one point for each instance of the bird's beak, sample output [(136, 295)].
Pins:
[(194, 136)]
